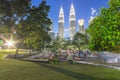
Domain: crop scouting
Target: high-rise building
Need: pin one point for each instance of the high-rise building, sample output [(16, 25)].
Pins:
[(61, 24), (81, 26), (72, 21), (51, 33)]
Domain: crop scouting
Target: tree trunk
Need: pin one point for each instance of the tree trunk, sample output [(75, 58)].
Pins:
[(17, 50), (30, 51), (79, 52)]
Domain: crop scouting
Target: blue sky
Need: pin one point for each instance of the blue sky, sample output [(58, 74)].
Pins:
[(83, 10)]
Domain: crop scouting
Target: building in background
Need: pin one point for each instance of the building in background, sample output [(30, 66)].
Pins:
[(81, 26), (52, 36), (61, 24), (72, 21), (51, 33)]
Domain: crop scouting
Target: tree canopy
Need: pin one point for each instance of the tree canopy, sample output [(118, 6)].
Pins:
[(104, 30), (30, 24), (80, 40), (37, 26), (12, 11)]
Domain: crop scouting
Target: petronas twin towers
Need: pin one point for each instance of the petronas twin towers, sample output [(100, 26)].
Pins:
[(72, 23)]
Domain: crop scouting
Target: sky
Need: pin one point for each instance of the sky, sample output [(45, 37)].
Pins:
[(84, 9)]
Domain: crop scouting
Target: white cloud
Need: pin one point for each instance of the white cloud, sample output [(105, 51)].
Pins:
[(93, 11), (91, 8), (91, 17), (93, 14)]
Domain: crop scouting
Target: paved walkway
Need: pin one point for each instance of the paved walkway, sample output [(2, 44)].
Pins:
[(108, 66), (83, 62)]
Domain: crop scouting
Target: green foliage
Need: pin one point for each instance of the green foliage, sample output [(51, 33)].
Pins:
[(38, 26), (62, 44), (68, 44), (12, 11), (105, 29), (30, 23), (56, 44), (80, 40), (1, 42)]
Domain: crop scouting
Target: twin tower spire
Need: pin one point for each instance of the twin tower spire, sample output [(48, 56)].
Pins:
[(72, 23)]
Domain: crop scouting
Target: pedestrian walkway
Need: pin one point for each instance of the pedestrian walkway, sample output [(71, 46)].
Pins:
[(108, 66)]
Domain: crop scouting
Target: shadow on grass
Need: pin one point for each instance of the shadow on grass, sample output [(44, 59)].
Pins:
[(78, 76)]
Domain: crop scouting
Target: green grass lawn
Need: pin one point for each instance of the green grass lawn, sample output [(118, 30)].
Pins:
[(4, 52), (11, 51), (23, 70)]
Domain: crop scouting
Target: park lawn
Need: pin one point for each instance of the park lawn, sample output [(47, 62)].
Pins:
[(23, 70), (11, 51), (4, 52)]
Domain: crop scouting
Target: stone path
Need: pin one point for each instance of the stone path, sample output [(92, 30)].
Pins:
[(108, 66)]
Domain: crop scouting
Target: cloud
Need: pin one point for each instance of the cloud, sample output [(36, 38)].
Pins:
[(91, 17), (93, 11), (93, 14), (92, 8)]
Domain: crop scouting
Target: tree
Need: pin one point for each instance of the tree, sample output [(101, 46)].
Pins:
[(56, 44), (104, 30), (12, 12), (68, 44), (18, 16), (39, 25), (80, 40)]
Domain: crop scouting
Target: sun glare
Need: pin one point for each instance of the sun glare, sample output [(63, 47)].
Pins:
[(10, 43)]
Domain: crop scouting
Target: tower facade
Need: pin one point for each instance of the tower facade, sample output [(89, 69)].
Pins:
[(72, 21), (61, 24), (81, 26)]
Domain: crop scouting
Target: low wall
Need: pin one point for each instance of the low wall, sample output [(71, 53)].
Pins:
[(110, 57)]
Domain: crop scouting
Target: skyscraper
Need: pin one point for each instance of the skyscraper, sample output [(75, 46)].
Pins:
[(81, 26), (51, 33), (61, 24), (72, 21)]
